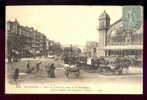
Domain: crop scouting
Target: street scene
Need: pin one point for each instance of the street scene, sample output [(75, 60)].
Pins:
[(107, 59)]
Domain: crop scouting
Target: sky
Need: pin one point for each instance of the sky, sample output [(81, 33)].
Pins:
[(65, 24)]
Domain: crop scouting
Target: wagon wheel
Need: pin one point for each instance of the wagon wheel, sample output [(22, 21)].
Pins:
[(101, 70), (77, 74), (119, 71)]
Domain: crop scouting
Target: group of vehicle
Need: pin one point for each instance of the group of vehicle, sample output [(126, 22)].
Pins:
[(115, 65)]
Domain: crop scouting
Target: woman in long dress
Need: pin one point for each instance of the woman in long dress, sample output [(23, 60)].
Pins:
[(52, 71), (16, 75)]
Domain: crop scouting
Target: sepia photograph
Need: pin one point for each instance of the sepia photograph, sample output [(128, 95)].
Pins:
[(74, 49)]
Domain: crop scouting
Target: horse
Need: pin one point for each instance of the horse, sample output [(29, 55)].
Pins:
[(126, 66), (122, 66), (118, 67), (71, 70)]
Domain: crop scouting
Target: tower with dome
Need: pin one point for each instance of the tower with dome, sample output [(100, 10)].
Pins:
[(104, 25)]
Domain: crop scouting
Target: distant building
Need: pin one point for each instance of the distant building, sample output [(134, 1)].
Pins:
[(116, 39), (69, 50), (91, 48)]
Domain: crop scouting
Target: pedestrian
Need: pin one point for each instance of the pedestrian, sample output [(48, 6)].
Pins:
[(38, 66), (48, 70), (28, 66), (16, 75), (52, 71), (89, 62)]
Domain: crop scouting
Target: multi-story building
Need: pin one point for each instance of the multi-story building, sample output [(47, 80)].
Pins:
[(27, 35), (13, 36), (24, 40)]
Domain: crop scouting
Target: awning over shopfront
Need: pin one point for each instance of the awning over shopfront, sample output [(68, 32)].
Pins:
[(124, 47)]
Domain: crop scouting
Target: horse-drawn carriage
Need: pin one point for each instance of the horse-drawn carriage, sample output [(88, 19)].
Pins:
[(111, 64), (71, 70), (116, 65), (71, 67)]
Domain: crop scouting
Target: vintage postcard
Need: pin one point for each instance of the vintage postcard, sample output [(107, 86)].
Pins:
[(71, 49)]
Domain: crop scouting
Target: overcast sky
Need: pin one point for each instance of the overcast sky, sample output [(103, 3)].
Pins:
[(65, 24)]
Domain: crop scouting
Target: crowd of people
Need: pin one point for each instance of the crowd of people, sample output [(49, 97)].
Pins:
[(50, 70)]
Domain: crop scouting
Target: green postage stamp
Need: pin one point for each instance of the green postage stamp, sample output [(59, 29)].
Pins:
[(133, 17)]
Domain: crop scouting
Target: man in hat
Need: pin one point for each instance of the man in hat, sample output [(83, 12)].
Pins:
[(28, 66), (38, 66)]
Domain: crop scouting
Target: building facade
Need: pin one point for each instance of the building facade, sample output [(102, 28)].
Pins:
[(24, 41), (119, 39)]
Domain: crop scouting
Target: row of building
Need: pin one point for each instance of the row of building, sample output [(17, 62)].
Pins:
[(24, 41)]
